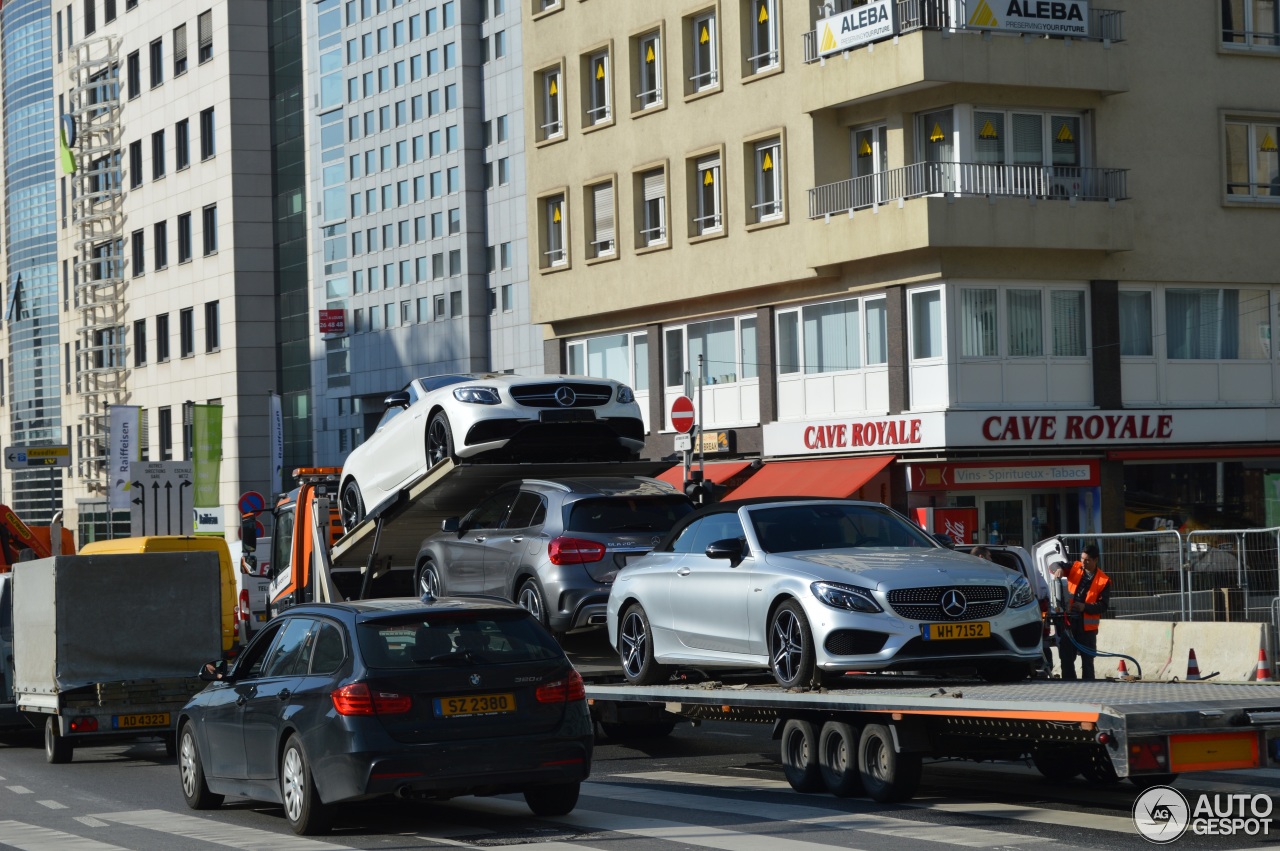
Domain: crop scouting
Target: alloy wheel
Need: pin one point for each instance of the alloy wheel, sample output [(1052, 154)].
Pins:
[(429, 582), (787, 646), (294, 784), (635, 643), (437, 441), (350, 506), (530, 601), (187, 764)]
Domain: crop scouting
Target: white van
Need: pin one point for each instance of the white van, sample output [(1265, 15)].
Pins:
[(252, 589)]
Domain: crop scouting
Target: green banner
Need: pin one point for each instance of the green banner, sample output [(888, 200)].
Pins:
[(206, 452)]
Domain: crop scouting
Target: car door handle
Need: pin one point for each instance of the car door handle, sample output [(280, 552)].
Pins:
[(480, 539), (241, 700), (284, 694), (684, 571), (517, 539)]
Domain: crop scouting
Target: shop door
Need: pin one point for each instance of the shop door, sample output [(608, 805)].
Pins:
[(1004, 521)]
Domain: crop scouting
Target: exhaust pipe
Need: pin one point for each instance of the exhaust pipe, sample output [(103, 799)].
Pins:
[(404, 793), (597, 620)]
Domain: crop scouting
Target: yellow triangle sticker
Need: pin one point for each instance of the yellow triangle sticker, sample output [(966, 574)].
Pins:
[(708, 180), (555, 215), (764, 14), (649, 57), (1268, 144), (982, 16), (864, 150), (600, 70), (988, 131), (937, 135), (767, 165), (554, 90), (828, 39), (706, 35), (1064, 134)]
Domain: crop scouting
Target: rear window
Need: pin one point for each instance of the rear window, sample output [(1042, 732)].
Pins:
[(627, 514), (455, 638)]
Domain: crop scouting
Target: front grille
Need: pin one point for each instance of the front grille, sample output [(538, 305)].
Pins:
[(925, 604), (544, 395), (854, 642), (957, 647)]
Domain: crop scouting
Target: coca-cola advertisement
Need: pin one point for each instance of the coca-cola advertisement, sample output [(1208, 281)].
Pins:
[(961, 524)]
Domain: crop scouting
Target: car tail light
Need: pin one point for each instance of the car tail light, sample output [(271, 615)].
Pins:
[(566, 690), (1149, 755), (357, 699), (242, 613), (574, 551), (84, 725)]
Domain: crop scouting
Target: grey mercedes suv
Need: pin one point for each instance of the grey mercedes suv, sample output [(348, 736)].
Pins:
[(551, 545)]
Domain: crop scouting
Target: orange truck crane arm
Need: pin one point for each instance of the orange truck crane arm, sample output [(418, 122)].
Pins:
[(16, 536)]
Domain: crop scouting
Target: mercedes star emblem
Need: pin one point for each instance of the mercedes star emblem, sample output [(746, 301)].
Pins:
[(565, 396), (475, 679), (954, 603)]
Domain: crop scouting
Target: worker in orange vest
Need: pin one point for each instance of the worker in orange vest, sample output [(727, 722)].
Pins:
[(1089, 590)]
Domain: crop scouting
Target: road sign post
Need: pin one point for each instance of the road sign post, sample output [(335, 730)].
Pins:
[(682, 422), (161, 503)]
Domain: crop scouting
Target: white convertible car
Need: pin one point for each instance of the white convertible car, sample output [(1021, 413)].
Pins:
[(812, 588), (497, 417)]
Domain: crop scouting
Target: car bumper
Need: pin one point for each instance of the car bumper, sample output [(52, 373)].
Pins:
[(575, 608), (606, 439)]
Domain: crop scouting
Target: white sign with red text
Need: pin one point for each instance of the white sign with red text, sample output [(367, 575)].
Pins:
[(874, 435)]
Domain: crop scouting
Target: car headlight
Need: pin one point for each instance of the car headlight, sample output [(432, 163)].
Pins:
[(625, 395), (478, 395), (1020, 595), (848, 597)]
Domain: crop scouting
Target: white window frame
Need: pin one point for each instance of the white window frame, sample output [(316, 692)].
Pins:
[(878, 160), (649, 78), (577, 362), (653, 209), (599, 88), (706, 59), (1151, 320), (1003, 322), (770, 180), (941, 354), (801, 366), (608, 246), (1270, 128), (1242, 310), (552, 103), (691, 364), (555, 251), (709, 208), (765, 45), (1253, 38)]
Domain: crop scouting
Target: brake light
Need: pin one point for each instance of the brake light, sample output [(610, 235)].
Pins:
[(357, 699), (566, 690), (1149, 755), (84, 725), (242, 613), (574, 551)]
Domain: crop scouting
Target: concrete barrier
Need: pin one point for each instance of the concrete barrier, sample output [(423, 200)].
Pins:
[(1150, 642), (1229, 648)]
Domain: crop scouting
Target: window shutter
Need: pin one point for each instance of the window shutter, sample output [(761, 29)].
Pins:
[(603, 203), (180, 44), (655, 186), (204, 24)]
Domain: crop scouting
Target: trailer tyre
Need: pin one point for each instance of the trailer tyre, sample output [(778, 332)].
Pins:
[(57, 750), (800, 756), (791, 657), (635, 648), (1056, 764), (887, 776), (439, 440), (191, 771), (303, 808), (838, 759), (352, 505), (1098, 768)]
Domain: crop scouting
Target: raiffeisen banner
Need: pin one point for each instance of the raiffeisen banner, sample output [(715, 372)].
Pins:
[(856, 26), (1048, 17)]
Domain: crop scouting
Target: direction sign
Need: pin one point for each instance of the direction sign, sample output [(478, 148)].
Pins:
[(682, 414), (251, 502), (161, 498), (36, 457)]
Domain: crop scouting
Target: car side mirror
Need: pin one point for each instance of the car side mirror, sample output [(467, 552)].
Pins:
[(213, 671), (398, 399), (730, 548), (451, 524)]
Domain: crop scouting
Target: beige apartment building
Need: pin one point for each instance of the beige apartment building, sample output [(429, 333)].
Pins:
[(1012, 259)]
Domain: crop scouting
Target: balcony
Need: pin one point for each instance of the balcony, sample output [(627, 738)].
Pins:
[(930, 206), (1054, 183)]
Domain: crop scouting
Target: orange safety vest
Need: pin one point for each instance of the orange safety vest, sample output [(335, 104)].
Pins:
[(1100, 581)]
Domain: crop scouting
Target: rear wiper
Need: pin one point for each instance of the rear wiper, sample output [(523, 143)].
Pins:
[(452, 657)]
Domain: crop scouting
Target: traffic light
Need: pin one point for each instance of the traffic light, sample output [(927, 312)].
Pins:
[(701, 492)]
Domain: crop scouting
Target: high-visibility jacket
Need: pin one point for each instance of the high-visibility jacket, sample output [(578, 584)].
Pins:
[(1075, 576)]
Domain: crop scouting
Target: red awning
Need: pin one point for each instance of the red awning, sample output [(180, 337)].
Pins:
[(835, 477), (718, 472)]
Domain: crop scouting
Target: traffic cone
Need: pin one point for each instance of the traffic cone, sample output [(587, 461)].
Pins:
[(1264, 667), (1123, 670), (1193, 669)]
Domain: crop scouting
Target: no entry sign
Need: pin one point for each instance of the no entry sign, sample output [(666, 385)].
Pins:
[(682, 414)]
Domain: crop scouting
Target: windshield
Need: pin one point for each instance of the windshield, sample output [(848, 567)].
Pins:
[(455, 638), (435, 382), (627, 514), (833, 526)]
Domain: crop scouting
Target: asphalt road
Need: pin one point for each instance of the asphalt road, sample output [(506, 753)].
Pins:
[(717, 786)]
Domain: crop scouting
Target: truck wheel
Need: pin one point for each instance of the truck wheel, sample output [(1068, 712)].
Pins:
[(352, 505), (303, 808), (838, 759), (635, 647), (1056, 764), (887, 776), (1146, 781), (556, 799), (439, 440), (57, 750), (790, 646), (800, 755), (429, 581), (191, 770), (1097, 768)]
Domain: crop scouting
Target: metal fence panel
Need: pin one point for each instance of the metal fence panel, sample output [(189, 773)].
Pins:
[(1232, 573), (1145, 569)]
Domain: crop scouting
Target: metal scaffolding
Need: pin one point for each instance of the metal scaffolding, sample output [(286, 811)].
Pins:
[(97, 212)]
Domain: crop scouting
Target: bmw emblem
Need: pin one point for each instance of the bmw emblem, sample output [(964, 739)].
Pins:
[(953, 603), (565, 396), (475, 679)]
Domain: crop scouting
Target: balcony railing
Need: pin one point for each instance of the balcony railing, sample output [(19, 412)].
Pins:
[(1104, 24), (1012, 181)]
